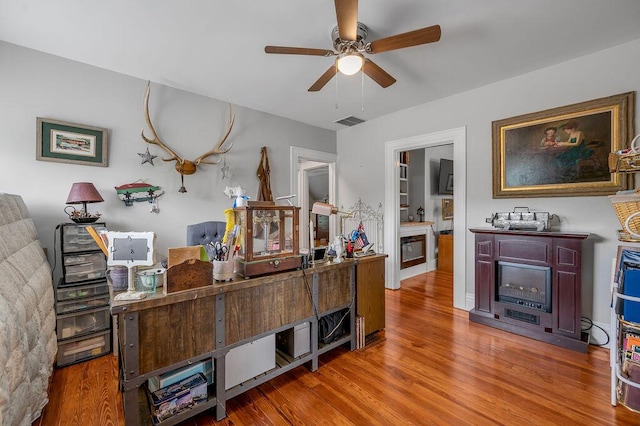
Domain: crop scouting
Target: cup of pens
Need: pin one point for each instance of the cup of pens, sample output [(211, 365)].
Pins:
[(222, 262), (223, 270)]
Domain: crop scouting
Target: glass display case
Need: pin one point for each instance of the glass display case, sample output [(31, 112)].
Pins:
[(268, 240)]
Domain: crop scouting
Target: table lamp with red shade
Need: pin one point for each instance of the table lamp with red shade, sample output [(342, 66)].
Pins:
[(83, 193)]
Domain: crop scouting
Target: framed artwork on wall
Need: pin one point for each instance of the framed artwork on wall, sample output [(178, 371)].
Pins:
[(64, 142), (563, 151), (447, 209)]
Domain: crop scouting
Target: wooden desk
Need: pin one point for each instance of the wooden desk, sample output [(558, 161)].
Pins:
[(162, 333), (445, 252)]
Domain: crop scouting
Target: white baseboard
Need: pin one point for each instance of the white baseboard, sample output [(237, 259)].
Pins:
[(470, 301), (412, 271)]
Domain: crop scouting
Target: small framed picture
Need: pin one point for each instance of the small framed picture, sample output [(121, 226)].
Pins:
[(72, 143), (447, 208)]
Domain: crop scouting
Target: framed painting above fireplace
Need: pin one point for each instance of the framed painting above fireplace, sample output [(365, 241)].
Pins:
[(563, 151)]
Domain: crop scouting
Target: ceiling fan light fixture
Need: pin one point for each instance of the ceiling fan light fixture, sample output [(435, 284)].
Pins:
[(350, 63)]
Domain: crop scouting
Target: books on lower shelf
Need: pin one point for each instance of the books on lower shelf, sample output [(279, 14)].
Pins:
[(167, 379), (627, 394), (173, 399), (630, 354), (360, 337), (630, 341)]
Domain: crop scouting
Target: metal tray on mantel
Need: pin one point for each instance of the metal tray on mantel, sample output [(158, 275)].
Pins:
[(521, 218)]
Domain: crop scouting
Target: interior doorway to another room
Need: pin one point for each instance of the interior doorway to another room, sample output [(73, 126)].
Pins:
[(313, 178), (318, 179), (425, 185), (457, 137)]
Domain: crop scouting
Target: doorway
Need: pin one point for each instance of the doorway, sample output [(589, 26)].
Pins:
[(306, 165), (457, 137)]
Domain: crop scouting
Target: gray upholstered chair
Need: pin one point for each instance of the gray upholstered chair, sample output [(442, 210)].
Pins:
[(205, 233)]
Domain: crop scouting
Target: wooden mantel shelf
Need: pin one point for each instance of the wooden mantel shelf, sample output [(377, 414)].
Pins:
[(531, 233), (408, 229), (425, 223)]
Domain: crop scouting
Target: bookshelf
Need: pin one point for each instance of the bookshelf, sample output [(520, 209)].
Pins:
[(404, 186), (625, 329)]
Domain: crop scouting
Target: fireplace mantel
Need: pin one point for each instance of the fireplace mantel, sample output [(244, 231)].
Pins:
[(560, 253)]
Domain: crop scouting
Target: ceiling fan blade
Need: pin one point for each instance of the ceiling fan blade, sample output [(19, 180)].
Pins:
[(377, 74), (324, 79), (298, 51), (400, 41), (347, 14)]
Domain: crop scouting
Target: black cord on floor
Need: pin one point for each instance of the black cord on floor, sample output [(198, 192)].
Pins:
[(315, 309), (306, 283), (591, 325), (347, 310)]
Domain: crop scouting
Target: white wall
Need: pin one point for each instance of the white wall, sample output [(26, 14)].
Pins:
[(33, 84), (608, 72)]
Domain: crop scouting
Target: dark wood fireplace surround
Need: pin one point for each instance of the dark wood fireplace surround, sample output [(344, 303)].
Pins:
[(559, 251)]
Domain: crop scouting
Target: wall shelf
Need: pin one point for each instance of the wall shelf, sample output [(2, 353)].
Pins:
[(625, 370), (404, 185)]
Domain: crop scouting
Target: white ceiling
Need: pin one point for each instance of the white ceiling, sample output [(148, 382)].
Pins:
[(216, 47)]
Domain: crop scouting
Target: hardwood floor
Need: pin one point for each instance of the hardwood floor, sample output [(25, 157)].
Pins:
[(431, 366)]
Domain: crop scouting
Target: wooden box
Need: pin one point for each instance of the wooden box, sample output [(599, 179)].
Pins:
[(268, 239), (189, 274)]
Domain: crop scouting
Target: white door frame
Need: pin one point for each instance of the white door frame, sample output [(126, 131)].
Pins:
[(299, 184), (457, 137)]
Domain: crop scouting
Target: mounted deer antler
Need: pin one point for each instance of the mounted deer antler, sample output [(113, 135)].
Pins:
[(185, 167)]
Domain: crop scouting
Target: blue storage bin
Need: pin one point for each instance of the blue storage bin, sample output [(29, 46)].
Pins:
[(631, 287)]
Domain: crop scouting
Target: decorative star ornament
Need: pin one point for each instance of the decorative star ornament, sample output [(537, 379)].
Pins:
[(147, 157)]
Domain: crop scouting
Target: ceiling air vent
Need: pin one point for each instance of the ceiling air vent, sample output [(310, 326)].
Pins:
[(350, 121)]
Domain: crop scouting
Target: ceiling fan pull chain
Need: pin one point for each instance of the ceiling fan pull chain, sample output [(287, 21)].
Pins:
[(362, 89), (337, 77)]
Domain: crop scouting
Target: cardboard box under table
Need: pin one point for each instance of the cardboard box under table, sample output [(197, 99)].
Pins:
[(250, 360), (295, 341)]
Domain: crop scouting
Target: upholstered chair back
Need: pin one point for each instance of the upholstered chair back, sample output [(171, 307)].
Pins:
[(205, 233)]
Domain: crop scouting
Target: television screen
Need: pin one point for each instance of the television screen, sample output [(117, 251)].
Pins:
[(445, 177)]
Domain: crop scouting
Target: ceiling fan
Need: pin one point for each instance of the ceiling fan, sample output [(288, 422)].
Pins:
[(350, 42)]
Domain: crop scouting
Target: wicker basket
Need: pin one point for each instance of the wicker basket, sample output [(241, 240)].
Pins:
[(624, 163), (628, 162), (624, 236), (625, 206)]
